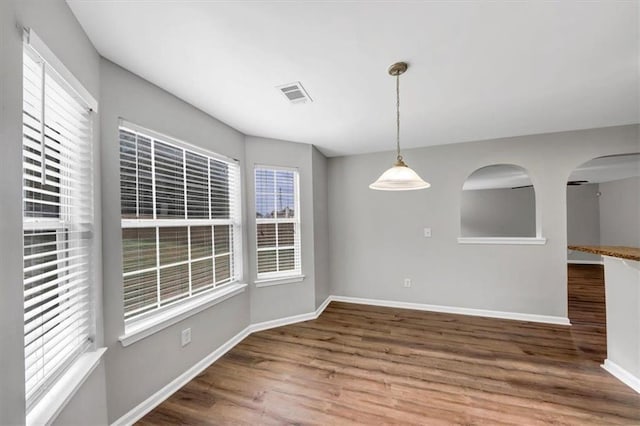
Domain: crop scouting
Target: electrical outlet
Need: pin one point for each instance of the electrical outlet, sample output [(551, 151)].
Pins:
[(185, 336), (407, 282), (427, 232)]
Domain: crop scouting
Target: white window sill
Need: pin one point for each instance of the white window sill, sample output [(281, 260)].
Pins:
[(138, 330), (56, 398), (268, 282), (503, 241)]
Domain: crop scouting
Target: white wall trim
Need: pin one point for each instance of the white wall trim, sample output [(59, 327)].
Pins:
[(161, 320), (585, 262), (503, 240), (123, 122), (157, 398), (31, 38), (547, 319), (621, 374), (56, 398), (268, 282), (266, 325), (323, 305)]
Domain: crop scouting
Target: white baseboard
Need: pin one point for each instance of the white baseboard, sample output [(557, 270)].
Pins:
[(157, 398), (266, 325), (621, 374), (455, 310), (154, 400), (323, 306), (585, 262)]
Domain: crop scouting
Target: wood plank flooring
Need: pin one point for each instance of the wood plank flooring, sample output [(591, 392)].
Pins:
[(361, 364), (586, 295)]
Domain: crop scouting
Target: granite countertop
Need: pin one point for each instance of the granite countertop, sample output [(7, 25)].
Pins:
[(631, 253)]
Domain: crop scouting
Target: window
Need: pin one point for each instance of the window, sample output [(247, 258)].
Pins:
[(57, 225), (277, 222), (180, 221)]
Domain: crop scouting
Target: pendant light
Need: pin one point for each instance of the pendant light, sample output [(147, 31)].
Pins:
[(400, 177)]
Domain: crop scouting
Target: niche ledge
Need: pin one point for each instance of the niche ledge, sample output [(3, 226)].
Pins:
[(503, 240)]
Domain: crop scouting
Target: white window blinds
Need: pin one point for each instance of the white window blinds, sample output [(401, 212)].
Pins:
[(277, 222), (180, 221), (57, 224)]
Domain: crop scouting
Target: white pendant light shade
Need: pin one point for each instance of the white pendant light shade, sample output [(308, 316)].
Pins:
[(400, 177)]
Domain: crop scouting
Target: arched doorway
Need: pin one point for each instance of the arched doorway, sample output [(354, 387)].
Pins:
[(603, 209)]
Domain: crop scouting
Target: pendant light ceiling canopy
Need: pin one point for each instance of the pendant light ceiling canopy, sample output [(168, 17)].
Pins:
[(400, 177)]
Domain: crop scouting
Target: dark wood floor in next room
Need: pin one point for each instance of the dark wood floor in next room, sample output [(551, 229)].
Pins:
[(370, 365)]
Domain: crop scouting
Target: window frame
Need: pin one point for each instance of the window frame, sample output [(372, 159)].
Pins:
[(138, 325), (290, 275), (43, 402)]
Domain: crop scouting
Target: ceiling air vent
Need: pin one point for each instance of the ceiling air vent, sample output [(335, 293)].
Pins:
[(295, 93)]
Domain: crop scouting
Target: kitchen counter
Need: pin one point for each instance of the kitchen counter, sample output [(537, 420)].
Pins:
[(629, 253), (622, 295)]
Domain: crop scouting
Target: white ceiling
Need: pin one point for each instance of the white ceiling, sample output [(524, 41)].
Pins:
[(477, 70), (599, 170)]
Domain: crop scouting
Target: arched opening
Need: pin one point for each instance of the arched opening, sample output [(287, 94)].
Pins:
[(603, 210), (498, 201)]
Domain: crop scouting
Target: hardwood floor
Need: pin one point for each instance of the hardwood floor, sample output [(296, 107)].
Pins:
[(361, 364), (586, 294)]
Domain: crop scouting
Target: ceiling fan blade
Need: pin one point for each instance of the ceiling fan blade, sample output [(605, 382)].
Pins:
[(577, 182)]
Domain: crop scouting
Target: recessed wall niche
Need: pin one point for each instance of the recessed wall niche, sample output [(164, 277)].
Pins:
[(498, 201)]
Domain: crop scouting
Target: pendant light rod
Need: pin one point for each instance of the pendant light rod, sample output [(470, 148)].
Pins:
[(399, 156), (397, 70), (400, 177)]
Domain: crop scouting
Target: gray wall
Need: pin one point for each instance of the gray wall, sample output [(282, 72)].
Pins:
[(136, 372), (89, 405), (372, 240), (620, 212), (321, 227), (56, 25), (583, 220), (376, 237), (501, 212), (283, 300), (12, 400)]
